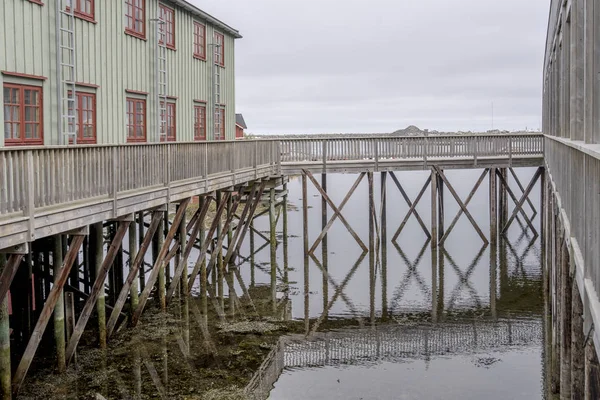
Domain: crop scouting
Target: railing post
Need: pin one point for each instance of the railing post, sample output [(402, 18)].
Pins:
[(376, 141), (232, 162), (115, 181), (510, 140), (205, 166), (278, 145), (476, 144), (324, 154), (425, 150), (29, 204)]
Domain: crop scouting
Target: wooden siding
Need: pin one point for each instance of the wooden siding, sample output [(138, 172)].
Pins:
[(115, 61)]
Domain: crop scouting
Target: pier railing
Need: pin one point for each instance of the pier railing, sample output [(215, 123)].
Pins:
[(355, 148)]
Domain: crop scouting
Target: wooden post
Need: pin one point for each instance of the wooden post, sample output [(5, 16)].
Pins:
[(306, 260), (592, 372), (133, 243), (252, 258), (69, 314), (97, 291), (46, 313), (159, 240), (440, 190), (371, 248), (383, 227), (577, 346), (216, 252), (273, 247), (97, 244), (434, 216), (565, 345), (142, 270), (5, 366), (59, 310), (493, 208), (324, 247)]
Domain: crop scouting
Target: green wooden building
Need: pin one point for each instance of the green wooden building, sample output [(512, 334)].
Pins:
[(114, 72)]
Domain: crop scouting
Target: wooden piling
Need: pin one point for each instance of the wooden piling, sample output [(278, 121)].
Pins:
[(440, 191), (273, 248), (383, 227), (577, 346), (371, 248), (306, 259), (565, 346), (324, 246), (216, 252), (159, 240), (434, 216), (5, 365), (592, 372), (97, 244), (142, 269), (133, 243), (493, 198), (59, 309)]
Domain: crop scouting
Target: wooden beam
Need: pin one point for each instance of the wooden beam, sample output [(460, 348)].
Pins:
[(407, 200), (188, 248), (516, 201), (8, 274), (520, 185), (160, 261), (139, 259), (460, 210), (411, 210), (88, 308), (207, 240), (462, 205), (335, 214), (335, 209), (46, 313), (519, 205)]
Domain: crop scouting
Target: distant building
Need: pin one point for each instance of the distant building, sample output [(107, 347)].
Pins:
[(126, 71), (240, 125)]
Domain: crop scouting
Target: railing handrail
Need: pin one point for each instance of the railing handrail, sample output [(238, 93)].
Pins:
[(390, 136)]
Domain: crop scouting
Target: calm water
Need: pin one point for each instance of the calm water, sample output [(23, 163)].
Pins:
[(465, 322)]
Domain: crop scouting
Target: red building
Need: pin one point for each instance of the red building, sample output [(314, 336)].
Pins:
[(240, 125)]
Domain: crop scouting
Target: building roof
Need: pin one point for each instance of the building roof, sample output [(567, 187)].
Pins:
[(239, 120), (207, 17)]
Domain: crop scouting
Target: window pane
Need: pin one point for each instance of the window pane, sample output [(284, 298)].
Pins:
[(15, 113), (7, 130), (7, 95)]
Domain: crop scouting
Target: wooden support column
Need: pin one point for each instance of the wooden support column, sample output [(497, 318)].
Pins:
[(141, 235), (383, 227), (252, 256), (137, 262), (577, 346), (306, 253), (434, 215), (157, 245), (159, 265), (493, 207), (565, 345), (273, 247), (324, 246), (503, 198), (59, 310), (371, 248), (440, 190), (97, 246), (97, 289), (592, 372), (133, 244), (46, 313), (5, 366), (218, 255)]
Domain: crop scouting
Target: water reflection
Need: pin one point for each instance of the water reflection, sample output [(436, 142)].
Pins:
[(462, 312)]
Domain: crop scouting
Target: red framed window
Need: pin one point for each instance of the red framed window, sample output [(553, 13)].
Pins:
[(219, 49), (170, 122), (167, 29), (199, 122), (135, 18), (220, 124), (199, 41), (86, 118), (136, 120), (23, 119), (84, 9)]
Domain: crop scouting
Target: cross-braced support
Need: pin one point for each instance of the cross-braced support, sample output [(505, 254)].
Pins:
[(412, 210), (519, 204)]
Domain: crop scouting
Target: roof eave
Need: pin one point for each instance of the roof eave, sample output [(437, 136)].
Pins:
[(207, 17)]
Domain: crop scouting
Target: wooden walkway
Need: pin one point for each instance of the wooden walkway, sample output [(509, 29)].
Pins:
[(50, 190)]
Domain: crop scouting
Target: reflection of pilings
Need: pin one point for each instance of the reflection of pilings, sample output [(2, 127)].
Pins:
[(59, 309), (324, 247), (371, 248), (306, 261), (383, 222), (5, 368)]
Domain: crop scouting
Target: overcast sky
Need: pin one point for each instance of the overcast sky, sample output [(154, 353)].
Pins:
[(317, 66)]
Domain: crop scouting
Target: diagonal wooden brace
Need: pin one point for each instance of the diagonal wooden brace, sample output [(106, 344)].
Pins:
[(516, 201), (88, 308), (200, 216), (160, 261), (411, 210), (335, 209), (42, 323), (335, 215), (461, 204), (467, 201), (133, 270), (519, 205), (8, 274)]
